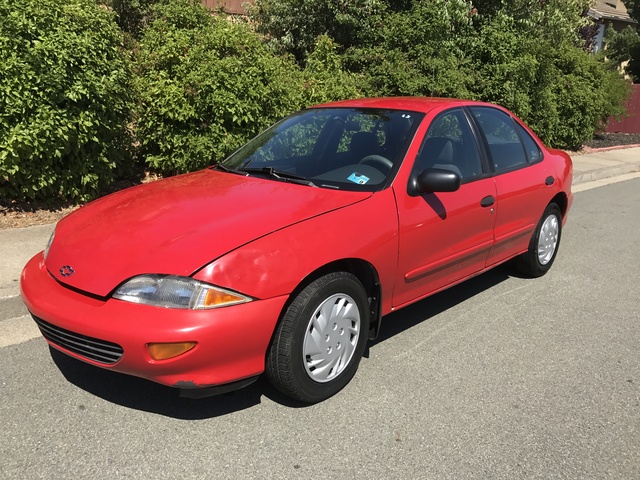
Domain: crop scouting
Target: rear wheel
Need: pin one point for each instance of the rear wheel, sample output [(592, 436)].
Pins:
[(543, 247), (320, 339)]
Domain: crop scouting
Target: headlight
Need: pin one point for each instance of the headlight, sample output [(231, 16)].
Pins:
[(176, 292), (46, 249)]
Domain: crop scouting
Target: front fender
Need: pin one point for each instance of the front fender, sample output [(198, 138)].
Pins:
[(277, 263)]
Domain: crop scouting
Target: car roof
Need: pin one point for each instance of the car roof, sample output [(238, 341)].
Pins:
[(416, 104)]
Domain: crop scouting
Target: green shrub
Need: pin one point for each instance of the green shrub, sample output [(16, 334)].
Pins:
[(324, 76), (525, 55), (206, 85), (63, 99), (294, 26), (561, 91), (624, 49), (132, 16), (420, 51)]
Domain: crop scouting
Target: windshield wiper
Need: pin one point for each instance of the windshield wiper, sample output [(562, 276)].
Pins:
[(280, 175)]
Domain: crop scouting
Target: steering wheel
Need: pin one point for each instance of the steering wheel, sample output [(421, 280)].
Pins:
[(378, 161)]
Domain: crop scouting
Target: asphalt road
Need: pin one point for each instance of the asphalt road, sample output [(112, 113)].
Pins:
[(501, 377)]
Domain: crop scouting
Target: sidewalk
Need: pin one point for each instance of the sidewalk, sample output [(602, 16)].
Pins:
[(605, 163), (18, 245)]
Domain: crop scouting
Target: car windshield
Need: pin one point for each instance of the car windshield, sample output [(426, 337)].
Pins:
[(340, 148)]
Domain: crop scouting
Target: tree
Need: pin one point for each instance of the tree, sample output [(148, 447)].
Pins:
[(422, 50), (132, 16), (625, 45), (624, 48), (633, 8)]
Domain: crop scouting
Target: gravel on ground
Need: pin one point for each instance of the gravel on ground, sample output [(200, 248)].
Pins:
[(605, 140), (20, 214), (14, 214)]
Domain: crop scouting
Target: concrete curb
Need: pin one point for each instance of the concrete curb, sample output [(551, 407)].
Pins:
[(604, 163), (602, 173), (588, 150)]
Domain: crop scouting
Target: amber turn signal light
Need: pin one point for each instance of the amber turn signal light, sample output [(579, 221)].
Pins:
[(164, 351)]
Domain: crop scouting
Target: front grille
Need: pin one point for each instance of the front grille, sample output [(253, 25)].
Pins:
[(92, 348)]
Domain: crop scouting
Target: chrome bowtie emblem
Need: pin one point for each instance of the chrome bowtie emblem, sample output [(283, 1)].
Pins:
[(66, 271)]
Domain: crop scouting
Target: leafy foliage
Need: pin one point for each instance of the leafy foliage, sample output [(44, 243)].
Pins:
[(64, 99), (201, 85), (132, 16), (561, 91), (205, 85), (624, 48), (633, 7), (524, 54), (325, 78), (558, 21), (294, 25), (421, 51)]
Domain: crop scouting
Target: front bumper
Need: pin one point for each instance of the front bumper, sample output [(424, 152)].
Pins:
[(231, 341)]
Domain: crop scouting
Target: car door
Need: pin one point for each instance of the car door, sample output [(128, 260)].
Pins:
[(445, 236), (523, 181)]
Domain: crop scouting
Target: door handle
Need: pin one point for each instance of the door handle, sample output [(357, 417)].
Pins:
[(487, 201), (549, 181)]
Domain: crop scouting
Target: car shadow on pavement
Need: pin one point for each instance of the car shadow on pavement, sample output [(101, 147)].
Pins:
[(140, 394), (408, 317)]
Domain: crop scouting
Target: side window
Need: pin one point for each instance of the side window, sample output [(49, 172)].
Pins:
[(502, 138), (534, 154), (449, 144)]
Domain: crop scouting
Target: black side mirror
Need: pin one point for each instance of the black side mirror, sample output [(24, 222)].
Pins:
[(434, 180)]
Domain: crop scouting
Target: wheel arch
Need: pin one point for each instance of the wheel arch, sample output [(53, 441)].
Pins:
[(365, 272), (561, 200)]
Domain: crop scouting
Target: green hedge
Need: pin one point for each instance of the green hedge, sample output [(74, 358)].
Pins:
[(563, 93), (64, 99), (77, 105), (205, 85), (524, 55)]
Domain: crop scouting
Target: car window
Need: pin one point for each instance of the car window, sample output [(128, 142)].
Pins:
[(534, 154), (505, 147), (449, 144), (343, 148)]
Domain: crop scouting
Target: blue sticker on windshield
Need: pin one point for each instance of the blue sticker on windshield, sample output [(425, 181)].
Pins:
[(358, 178)]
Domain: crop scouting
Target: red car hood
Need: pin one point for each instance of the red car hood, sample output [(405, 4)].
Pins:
[(176, 226)]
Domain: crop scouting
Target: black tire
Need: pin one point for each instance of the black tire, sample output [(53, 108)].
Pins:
[(292, 371), (530, 263)]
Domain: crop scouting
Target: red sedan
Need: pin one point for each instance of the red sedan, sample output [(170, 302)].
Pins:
[(285, 257)]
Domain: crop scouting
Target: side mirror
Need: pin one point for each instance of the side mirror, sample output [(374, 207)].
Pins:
[(434, 180)]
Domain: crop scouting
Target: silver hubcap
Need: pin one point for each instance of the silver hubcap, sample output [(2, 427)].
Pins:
[(331, 337), (548, 239)]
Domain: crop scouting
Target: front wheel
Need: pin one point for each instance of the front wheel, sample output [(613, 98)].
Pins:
[(543, 247), (320, 339)]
